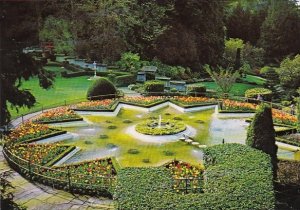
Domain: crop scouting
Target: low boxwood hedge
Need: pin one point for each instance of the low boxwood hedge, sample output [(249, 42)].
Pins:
[(237, 177), (125, 80), (264, 92)]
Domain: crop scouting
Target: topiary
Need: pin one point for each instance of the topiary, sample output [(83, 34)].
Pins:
[(101, 89), (261, 133)]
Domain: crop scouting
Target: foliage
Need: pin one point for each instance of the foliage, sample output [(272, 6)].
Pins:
[(243, 19), (196, 42), (154, 86), (231, 168), (168, 127), (140, 31), (133, 151), (130, 62), (224, 78), (101, 89), (196, 90), (261, 133), (250, 55), (96, 30), (289, 72), (231, 47), (58, 31), (125, 80), (254, 56), (280, 30), (11, 77), (254, 92)]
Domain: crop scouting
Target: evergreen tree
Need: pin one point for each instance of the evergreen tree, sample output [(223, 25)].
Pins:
[(16, 66), (195, 34), (261, 133), (280, 31)]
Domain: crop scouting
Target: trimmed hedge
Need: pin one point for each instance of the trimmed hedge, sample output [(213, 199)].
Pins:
[(196, 90), (237, 177), (264, 92), (125, 80), (154, 86), (240, 176)]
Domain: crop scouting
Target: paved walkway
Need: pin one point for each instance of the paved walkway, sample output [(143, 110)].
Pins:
[(40, 197)]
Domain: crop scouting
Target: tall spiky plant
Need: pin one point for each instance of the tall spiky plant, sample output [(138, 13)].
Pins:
[(224, 78)]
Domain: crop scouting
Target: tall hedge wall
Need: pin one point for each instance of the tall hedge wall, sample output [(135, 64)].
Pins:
[(237, 177)]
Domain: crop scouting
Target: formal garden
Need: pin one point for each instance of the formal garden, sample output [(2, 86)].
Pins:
[(156, 111)]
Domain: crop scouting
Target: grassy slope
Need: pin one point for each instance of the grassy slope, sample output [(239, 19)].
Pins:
[(237, 89), (64, 89)]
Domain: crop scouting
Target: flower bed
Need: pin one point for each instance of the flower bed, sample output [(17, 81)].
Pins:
[(284, 118), (86, 175), (95, 105), (184, 172), (140, 100), (29, 131), (168, 127), (188, 101), (57, 115), (229, 105), (279, 117), (40, 154)]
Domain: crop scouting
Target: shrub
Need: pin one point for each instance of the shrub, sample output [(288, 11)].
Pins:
[(100, 89), (237, 177), (254, 92), (261, 133), (111, 77), (196, 90), (125, 80), (154, 86)]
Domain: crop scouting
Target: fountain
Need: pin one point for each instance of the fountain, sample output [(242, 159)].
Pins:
[(159, 121)]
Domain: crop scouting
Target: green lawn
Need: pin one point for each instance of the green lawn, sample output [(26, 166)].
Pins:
[(255, 79), (237, 89), (64, 89)]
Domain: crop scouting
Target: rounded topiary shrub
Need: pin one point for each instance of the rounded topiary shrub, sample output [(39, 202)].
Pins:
[(101, 89), (265, 93), (154, 86), (196, 90)]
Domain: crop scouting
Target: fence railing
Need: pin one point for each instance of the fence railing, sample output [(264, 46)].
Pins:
[(188, 185), (63, 179)]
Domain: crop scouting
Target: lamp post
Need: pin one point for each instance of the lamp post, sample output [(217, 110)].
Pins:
[(95, 68)]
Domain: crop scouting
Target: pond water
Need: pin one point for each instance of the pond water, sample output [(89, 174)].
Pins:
[(108, 136)]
